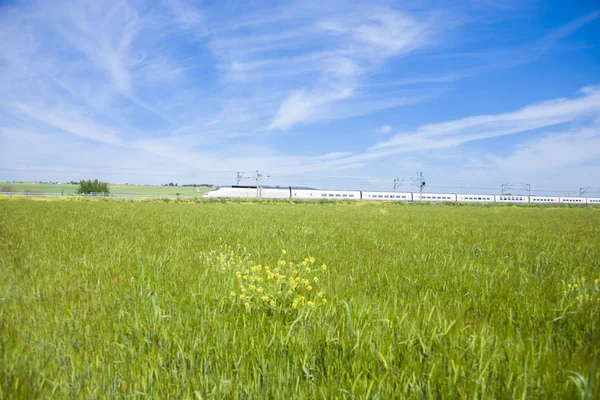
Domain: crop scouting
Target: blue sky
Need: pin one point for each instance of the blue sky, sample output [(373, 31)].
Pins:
[(327, 94)]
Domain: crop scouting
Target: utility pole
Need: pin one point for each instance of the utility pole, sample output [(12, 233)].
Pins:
[(397, 183), (505, 188), (528, 186), (240, 176), (583, 191), (258, 175), (420, 182)]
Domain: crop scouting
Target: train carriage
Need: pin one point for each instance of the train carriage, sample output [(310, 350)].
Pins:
[(386, 196), (475, 198), (505, 198), (543, 199), (572, 200), (434, 197), (325, 194)]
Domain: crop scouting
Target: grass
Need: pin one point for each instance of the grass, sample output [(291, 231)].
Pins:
[(118, 189), (115, 299)]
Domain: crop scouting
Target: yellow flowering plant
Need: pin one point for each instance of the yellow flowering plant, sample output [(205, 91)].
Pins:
[(288, 286), (582, 291)]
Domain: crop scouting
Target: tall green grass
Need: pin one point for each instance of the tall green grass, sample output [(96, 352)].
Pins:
[(117, 299)]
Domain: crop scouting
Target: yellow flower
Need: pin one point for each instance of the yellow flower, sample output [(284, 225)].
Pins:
[(577, 298), (576, 286), (272, 303), (564, 292), (260, 290), (291, 263), (283, 252), (264, 298), (316, 279), (247, 305), (308, 269), (233, 294), (312, 260), (598, 299), (310, 304), (309, 287), (323, 267), (569, 285), (595, 281), (295, 304), (324, 301), (583, 280), (238, 274), (242, 296), (320, 294), (289, 292)]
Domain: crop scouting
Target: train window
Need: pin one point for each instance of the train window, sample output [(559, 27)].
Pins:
[(330, 195), (351, 195), (344, 195), (337, 195), (324, 195), (386, 196)]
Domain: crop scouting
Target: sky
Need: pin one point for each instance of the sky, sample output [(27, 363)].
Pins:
[(325, 94)]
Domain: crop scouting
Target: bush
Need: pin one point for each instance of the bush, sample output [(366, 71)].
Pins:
[(7, 189), (95, 186)]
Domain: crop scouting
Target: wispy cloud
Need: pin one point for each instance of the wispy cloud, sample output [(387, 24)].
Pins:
[(532, 117), (580, 109), (557, 150)]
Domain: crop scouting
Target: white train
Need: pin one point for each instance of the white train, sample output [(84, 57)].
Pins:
[(315, 194)]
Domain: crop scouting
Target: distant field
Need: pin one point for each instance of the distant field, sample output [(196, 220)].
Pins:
[(119, 189), (103, 298)]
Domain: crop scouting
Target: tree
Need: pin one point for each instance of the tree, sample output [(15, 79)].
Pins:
[(95, 186)]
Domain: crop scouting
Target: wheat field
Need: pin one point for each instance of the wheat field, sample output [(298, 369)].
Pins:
[(105, 298)]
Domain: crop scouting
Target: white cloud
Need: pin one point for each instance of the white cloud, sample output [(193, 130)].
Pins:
[(554, 151), (385, 129), (446, 135), (301, 106), (545, 114)]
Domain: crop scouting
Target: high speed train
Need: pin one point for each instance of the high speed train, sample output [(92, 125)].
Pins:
[(316, 194)]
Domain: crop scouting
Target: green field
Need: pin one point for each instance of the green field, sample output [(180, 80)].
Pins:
[(166, 300), (118, 189)]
